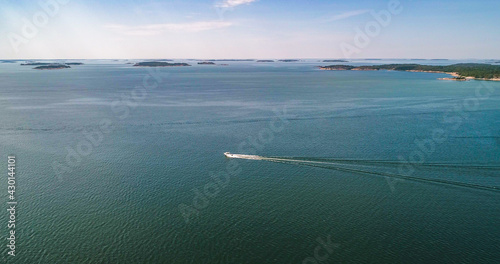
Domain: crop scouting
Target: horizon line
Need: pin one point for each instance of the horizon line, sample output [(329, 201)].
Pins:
[(286, 58)]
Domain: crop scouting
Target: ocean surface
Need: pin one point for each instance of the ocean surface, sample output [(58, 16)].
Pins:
[(121, 164)]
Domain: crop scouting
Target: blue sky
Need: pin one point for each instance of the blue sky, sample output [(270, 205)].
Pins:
[(247, 29)]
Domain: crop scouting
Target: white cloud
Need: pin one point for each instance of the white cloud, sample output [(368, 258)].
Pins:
[(156, 29), (348, 14), (233, 3)]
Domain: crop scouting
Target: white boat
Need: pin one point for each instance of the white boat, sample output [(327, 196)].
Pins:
[(229, 155)]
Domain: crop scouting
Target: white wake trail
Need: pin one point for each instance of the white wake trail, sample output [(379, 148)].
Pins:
[(288, 160), (358, 169)]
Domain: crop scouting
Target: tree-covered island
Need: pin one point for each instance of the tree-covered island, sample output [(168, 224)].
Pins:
[(160, 64), (52, 67), (461, 71)]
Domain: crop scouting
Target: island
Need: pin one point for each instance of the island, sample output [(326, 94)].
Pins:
[(52, 67), (206, 63), (233, 60), (160, 64), (460, 71), (49, 63), (36, 63), (337, 68), (265, 61), (288, 60), (335, 61)]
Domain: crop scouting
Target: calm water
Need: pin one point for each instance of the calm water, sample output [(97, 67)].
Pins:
[(121, 202)]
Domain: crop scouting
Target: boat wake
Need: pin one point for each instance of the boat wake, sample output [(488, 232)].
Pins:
[(242, 156), (372, 167)]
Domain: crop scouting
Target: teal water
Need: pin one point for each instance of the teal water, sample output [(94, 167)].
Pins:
[(135, 197)]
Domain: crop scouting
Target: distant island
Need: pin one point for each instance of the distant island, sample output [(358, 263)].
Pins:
[(288, 60), (206, 63), (160, 64), (52, 67), (460, 72), (232, 60), (335, 61), (8, 61), (337, 67), (35, 63), (49, 63), (265, 61)]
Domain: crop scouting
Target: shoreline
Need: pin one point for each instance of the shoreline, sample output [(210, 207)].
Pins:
[(458, 77)]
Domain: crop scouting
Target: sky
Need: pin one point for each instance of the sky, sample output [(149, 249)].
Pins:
[(249, 29)]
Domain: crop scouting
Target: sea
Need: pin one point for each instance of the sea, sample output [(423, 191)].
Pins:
[(123, 164)]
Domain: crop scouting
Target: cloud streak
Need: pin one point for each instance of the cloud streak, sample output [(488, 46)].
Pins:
[(156, 29), (233, 3), (349, 14)]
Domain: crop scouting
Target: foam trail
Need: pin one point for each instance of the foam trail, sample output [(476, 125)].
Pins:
[(243, 156), (439, 181), (337, 165), (256, 157), (395, 163)]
